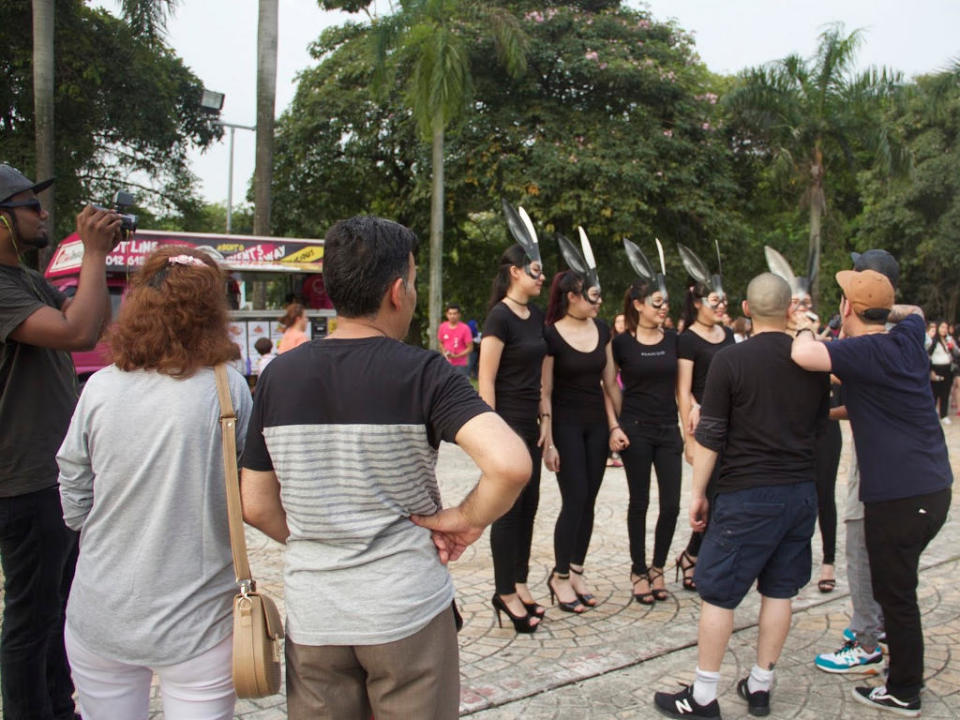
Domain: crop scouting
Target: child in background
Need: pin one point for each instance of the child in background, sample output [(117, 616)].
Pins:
[(264, 346)]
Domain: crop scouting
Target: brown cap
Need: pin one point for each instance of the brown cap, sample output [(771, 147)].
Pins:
[(866, 290)]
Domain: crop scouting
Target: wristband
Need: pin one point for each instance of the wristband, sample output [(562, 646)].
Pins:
[(615, 427), (543, 415), (805, 330)]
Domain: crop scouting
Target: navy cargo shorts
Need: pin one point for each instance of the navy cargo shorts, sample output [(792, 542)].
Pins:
[(757, 534)]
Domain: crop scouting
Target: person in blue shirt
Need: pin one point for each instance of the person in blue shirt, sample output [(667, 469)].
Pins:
[(905, 475)]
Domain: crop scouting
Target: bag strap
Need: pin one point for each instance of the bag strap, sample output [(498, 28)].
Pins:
[(228, 426)]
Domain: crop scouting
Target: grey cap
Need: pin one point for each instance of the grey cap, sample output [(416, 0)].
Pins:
[(879, 260), (13, 182)]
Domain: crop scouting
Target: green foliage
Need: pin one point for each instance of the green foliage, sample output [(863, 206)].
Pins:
[(613, 126), (918, 218), (127, 110)]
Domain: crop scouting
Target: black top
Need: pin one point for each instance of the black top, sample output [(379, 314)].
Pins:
[(691, 346), (577, 394), (886, 389), (762, 411), (38, 388), (649, 374), (362, 382), (517, 387)]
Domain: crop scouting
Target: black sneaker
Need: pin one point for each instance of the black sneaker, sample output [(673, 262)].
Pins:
[(879, 698), (682, 705), (758, 703)]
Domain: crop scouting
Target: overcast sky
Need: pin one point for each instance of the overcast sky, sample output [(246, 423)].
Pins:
[(217, 40)]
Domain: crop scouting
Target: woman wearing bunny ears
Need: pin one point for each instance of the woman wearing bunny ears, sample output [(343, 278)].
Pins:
[(512, 352), (578, 377), (646, 355), (703, 335)]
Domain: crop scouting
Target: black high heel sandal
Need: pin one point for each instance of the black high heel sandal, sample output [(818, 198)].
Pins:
[(646, 598), (660, 594), (520, 623), (587, 599), (574, 606), (684, 563), (535, 609)]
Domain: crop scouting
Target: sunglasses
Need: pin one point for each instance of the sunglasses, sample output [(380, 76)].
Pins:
[(32, 204)]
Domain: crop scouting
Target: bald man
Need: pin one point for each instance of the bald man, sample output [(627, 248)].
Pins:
[(762, 411)]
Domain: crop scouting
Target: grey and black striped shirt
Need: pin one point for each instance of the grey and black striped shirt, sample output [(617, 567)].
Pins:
[(351, 428)]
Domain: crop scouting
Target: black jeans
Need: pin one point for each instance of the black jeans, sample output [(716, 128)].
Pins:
[(897, 531), (659, 446), (512, 533), (828, 448), (941, 388), (39, 554), (583, 459)]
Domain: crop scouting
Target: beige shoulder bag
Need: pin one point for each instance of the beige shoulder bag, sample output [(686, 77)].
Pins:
[(257, 626)]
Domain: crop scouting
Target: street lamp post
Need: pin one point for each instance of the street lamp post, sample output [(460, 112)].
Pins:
[(233, 127)]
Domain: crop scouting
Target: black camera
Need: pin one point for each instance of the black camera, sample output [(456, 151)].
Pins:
[(123, 201)]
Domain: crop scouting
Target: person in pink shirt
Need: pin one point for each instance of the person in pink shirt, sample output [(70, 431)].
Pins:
[(456, 340)]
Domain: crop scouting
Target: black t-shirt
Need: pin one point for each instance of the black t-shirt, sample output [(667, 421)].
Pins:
[(886, 389), (577, 394), (770, 409), (691, 346), (517, 387), (349, 384), (649, 374), (38, 388)]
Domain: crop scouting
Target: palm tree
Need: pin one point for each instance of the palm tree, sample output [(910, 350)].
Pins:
[(429, 41), (266, 103), (804, 115)]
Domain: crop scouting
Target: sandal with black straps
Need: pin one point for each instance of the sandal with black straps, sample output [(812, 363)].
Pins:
[(644, 598), (588, 599), (684, 563), (573, 606), (655, 574)]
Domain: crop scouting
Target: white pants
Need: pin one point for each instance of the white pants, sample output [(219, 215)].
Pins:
[(198, 689)]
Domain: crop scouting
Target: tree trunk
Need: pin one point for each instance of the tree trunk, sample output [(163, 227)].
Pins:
[(436, 232), (818, 206), (43, 53), (266, 103)]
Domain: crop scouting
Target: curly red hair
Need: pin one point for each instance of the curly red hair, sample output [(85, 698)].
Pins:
[(174, 317)]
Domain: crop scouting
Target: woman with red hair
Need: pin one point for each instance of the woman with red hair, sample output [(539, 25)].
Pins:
[(142, 480)]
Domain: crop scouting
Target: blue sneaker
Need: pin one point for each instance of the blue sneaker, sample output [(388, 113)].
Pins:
[(849, 635), (851, 658)]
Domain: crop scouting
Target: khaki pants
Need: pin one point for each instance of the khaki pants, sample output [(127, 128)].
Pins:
[(417, 677)]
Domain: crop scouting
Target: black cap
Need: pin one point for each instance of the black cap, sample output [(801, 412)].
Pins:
[(13, 182), (879, 260)]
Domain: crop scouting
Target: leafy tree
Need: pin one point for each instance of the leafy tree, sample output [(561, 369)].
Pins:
[(917, 218), (809, 120), (127, 110), (613, 126)]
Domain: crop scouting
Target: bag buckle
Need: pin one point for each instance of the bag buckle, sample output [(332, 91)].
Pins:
[(247, 587)]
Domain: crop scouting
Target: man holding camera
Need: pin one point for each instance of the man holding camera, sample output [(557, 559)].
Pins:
[(39, 327)]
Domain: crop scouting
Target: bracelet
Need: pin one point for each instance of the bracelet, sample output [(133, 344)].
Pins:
[(543, 415), (807, 330), (615, 427), (551, 447)]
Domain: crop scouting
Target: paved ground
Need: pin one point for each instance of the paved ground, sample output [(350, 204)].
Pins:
[(607, 663)]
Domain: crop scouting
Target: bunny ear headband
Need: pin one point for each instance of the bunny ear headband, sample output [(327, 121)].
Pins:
[(522, 230), (779, 266), (706, 283), (642, 267), (581, 261)]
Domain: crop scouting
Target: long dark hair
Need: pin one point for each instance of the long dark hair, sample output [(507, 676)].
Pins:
[(563, 282), (638, 291), (513, 256), (689, 307)]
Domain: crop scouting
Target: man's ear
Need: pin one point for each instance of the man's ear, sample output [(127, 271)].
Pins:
[(845, 307), (397, 293), (745, 306)]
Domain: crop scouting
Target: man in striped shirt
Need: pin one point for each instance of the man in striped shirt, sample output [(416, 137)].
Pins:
[(340, 465)]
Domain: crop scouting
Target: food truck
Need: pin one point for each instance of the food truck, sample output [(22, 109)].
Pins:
[(291, 267)]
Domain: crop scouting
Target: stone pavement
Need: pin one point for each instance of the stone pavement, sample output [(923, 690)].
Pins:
[(606, 663)]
